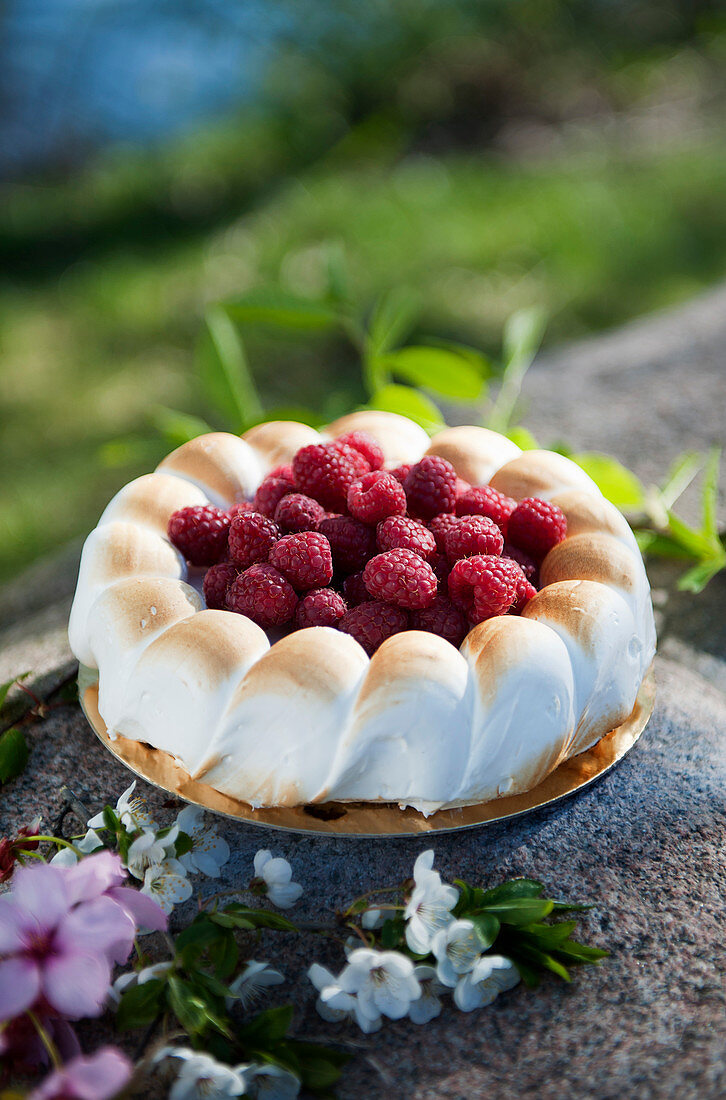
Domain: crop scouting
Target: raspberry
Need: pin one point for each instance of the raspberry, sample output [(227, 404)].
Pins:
[(440, 526), (525, 592), (326, 472), (484, 500), (375, 497), (263, 595), (270, 492), (296, 512), (366, 445), (251, 537), (473, 535), (217, 580), (372, 622), (527, 564), (431, 486), (350, 540), (535, 526), (461, 487), (484, 586), (321, 607), (442, 618), (401, 472), (283, 471), (402, 533), (400, 577), (199, 533), (354, 590), (354, 455), (240, 507), (304, 558)]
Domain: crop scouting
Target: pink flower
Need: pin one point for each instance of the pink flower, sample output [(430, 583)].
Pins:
[(61, 931), (98, 1077)]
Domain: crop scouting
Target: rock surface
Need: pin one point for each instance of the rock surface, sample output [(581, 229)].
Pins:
[(645, 844)]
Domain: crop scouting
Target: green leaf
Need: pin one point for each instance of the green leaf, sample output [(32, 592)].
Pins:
[(527, 973), (224, 955), (514, 889), (260, 918), (691, 540), (546, 962), (189, 1008), (231, 920), (659, 545), (224, 376), (197, 937), (392, 933), (14, 753), (551, 935), (392, 319), (439, 369), (520, 911), (5, 688), (177, 427), (696, 579), (407, 402), (267, 1027), (709, 494), (110, 819), (621, 487), (576, 953), (523, 334), (140, 1005), (320, 1067), (680, 476), (283, 310), (523, 438), (182, 844), (487, 927)]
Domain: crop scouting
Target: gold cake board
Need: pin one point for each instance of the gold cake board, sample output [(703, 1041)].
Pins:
[(366, 819)]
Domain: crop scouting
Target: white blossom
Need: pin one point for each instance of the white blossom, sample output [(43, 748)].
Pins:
[(137, 977), (209, 850), (429, 907), (203, 1076), (276, 873), (374, 918), (167, 884), (489, 976), (66, 857), (456, 947), (383, 983), (255, 977), (268, 1082), (149, 850), (132, 813), (428, 1005)]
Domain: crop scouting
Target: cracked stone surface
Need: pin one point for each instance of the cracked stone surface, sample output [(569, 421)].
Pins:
[(645, 844)]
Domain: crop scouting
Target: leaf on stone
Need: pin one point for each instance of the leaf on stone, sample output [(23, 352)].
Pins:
[(14, 753), (515, 888), (5, 688), (140, 1005)]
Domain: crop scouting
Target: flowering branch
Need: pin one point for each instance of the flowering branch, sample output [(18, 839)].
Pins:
[(202, 986)]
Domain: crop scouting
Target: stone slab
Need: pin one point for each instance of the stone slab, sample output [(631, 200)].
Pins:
[(645, 845)]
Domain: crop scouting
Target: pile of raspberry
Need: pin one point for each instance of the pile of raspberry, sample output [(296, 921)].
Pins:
[(335, 540)]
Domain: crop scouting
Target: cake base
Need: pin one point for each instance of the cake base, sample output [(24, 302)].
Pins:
[(368, 819)]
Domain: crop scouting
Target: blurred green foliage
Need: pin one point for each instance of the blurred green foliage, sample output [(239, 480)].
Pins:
[(483, 158)]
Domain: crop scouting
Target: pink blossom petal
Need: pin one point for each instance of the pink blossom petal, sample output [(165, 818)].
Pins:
[(76, 985), (41, 891), (142, 909), (94, 875), (19, 985), (98, 927), (11, 927), (99, 1077)]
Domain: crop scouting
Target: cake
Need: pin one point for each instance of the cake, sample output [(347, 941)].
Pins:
[(276, 716)]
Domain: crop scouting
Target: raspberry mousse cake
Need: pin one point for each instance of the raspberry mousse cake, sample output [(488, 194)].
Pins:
[(364, 614)]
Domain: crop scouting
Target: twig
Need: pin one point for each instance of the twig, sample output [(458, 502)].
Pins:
[(28, 714)]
